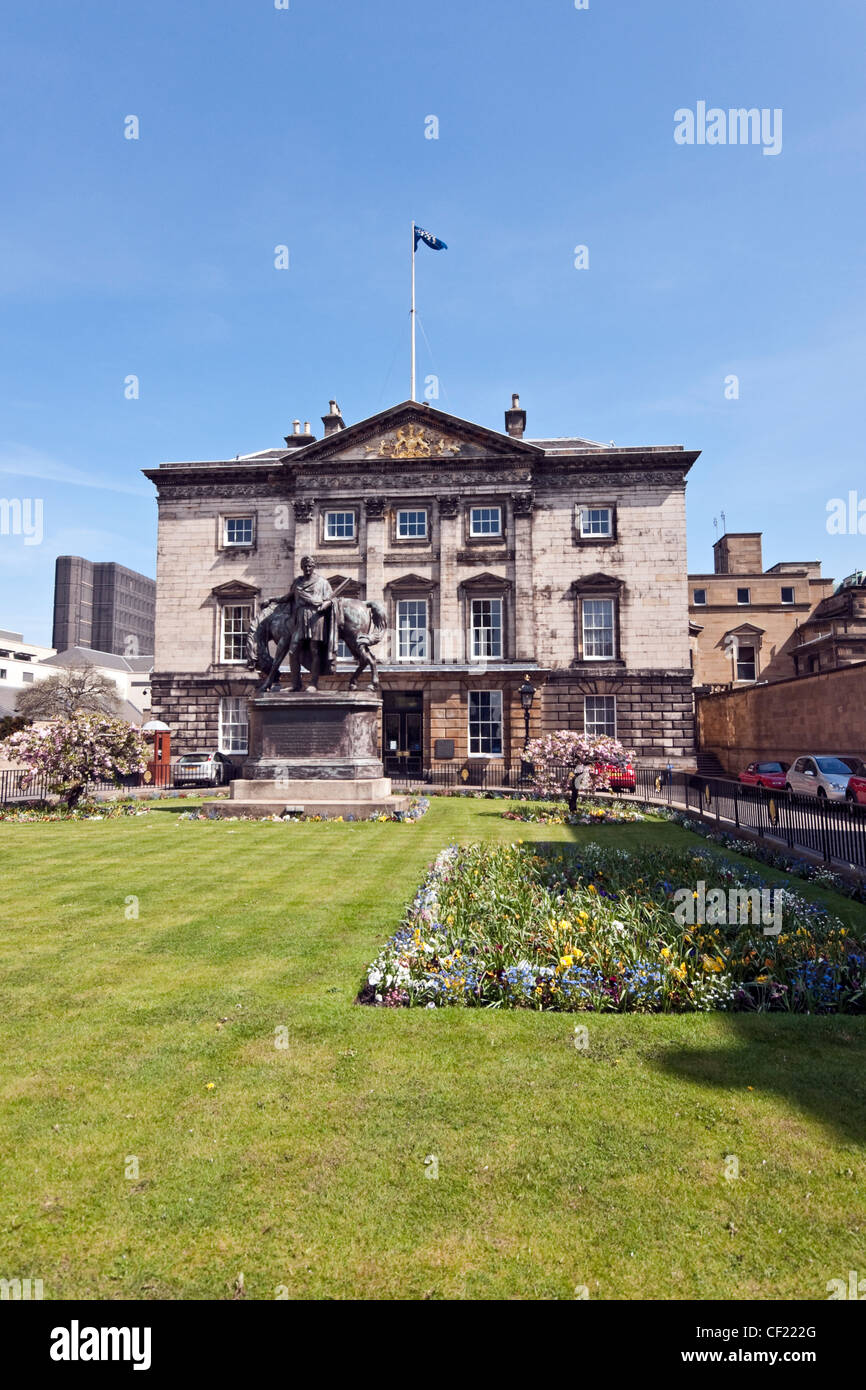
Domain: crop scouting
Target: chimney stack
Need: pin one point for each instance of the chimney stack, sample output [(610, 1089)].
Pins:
[(333, 421), (297, 440), (515, 419)]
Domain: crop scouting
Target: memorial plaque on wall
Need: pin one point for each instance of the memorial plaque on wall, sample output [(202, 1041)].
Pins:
[(443, 748)]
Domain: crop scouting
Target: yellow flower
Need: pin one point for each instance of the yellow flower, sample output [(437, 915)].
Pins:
[(566, 961), (665, 952), (210, 1085)]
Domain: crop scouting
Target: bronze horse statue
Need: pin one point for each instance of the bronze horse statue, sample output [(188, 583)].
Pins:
[(360, 624)]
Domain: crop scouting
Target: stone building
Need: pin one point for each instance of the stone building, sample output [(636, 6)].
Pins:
[(744, 621), (496, 556), (835, 634)]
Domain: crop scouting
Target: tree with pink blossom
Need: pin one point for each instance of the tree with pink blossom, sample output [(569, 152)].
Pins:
[(565, 755), (71, 753)]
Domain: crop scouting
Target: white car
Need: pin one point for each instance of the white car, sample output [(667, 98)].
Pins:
[(819, 775), (212, 768)]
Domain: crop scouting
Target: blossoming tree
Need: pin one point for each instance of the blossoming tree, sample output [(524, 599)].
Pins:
[(561, 757), (73, 752)]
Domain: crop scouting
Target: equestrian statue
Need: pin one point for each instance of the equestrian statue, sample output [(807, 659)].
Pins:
[(306, 624)]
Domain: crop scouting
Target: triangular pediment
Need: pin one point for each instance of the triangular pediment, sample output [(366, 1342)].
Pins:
[(486, 583), (598, 582), (349, 588), (235, 588), (414, 583), (410, 432), (745, 630)]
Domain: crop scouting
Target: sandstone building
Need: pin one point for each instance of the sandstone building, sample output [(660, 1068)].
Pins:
[(835, 634), (497, 556), (744, 621)]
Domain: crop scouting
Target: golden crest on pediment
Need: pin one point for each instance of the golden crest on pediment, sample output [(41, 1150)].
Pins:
[(413, 442)]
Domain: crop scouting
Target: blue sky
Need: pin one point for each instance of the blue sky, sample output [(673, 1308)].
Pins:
[(306, 127)]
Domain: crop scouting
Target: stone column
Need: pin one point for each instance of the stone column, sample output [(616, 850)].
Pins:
[(373, 550), (304, 542), (524, 596), (450, 646)]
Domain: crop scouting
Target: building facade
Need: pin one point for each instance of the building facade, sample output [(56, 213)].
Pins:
[(20, 666), (835, 634), (744, 621), (104, 606), (496, 556)]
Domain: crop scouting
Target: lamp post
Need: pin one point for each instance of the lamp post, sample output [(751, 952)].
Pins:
[(527, 695)]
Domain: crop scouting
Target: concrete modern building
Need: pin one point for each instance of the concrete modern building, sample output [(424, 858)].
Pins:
[(744, 620), (496, 555), (104, 606)]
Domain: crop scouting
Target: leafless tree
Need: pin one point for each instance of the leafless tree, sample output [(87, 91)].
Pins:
[(71, 690)]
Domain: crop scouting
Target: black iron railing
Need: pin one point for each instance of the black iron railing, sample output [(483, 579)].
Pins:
[(833, 830)]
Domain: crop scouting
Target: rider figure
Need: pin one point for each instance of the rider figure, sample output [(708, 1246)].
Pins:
[(310, 600)]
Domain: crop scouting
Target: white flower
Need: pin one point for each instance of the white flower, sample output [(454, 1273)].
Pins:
[(374, 977)]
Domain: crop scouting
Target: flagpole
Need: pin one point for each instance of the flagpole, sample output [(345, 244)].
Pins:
[(412, 309)]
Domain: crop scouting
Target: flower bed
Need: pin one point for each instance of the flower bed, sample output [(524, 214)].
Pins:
[(587, 813), (765, 854), (85, 810), (592, 928)]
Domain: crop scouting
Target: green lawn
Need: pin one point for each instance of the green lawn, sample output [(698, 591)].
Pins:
[(304, 1167)]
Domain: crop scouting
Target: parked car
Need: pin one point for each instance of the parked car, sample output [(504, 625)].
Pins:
[(819, 775), (856, 788), (620, 775), (770, 775), (215, 769)]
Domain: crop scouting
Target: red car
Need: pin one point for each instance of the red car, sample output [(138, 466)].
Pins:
[(620, 775), (770, 775), (856, 788)]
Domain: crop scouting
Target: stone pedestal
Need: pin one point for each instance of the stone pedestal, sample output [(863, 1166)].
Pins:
[(315, 753)]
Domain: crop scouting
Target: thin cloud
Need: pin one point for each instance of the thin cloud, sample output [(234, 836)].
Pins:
[(22, 461)]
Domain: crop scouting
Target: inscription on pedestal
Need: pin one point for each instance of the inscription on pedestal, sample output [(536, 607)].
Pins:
[(333, 736), (295, 740)]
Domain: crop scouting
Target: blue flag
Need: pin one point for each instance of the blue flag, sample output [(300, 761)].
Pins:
[(429, 240)]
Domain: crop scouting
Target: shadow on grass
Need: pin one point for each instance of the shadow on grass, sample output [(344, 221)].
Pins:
[(814, 1065)]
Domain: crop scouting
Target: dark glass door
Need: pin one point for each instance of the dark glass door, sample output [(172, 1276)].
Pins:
[(403, 733)]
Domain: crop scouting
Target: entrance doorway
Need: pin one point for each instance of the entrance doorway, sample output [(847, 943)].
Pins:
[(403, 732)]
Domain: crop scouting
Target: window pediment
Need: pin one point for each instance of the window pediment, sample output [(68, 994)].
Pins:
[(486, 583), (411, 583), (235, 589), (352, 590), (597, 583)]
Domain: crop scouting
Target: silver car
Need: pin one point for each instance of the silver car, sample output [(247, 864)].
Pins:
[(215, 769), (819, 775)]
